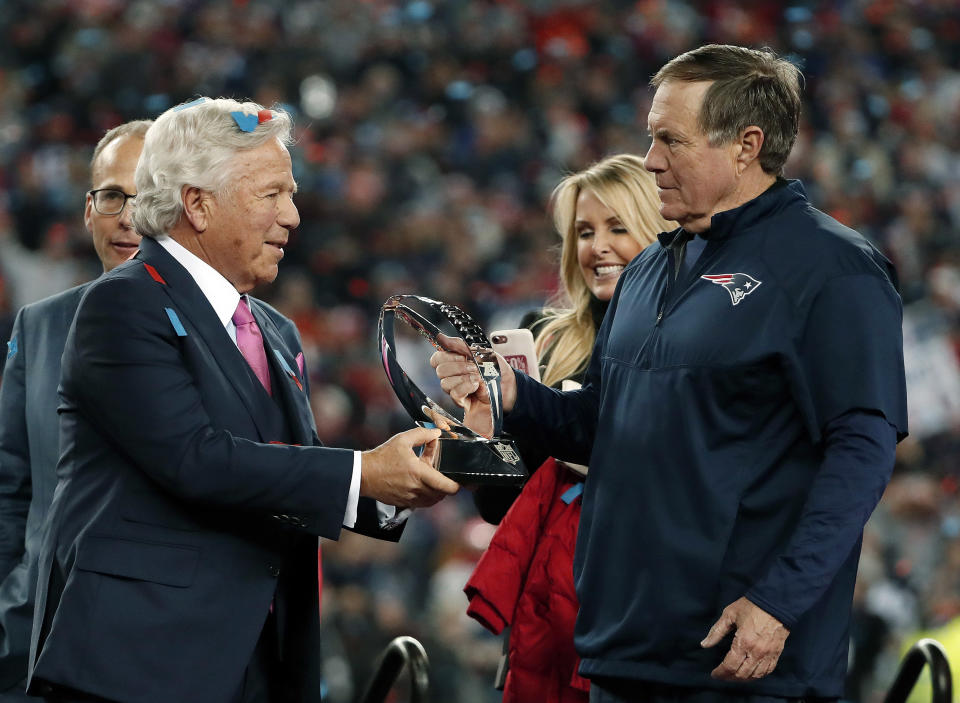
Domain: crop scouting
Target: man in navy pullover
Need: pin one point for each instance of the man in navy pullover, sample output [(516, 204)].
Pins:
[(739, 415)]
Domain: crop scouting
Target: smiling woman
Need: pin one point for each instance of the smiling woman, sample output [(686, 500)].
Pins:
[(604, 245)]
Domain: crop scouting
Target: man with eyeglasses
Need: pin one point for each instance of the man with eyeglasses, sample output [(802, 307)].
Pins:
[(29, 429)]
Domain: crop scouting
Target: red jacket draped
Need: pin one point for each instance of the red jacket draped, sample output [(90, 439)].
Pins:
[(525, 580)]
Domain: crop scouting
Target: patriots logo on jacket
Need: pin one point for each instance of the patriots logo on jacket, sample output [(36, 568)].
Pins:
[(738, 285)]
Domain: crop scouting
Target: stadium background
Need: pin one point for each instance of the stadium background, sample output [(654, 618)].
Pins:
[(429, 135)]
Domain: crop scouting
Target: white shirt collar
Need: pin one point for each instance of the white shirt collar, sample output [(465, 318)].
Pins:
[(215, 288)]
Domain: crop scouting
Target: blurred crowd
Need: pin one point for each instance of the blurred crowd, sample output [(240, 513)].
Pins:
[(429, 136)]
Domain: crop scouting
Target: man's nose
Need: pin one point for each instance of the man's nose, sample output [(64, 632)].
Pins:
[(126, 215), (653, 161), (289, 216)]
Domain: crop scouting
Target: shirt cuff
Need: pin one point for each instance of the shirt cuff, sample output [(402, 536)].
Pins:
[(353, 498), (387, 515)]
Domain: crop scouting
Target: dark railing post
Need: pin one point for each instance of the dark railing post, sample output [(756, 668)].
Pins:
[(401, 652), (925, 652)]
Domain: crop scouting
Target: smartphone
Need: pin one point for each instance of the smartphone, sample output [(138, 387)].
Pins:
[(516, 346)]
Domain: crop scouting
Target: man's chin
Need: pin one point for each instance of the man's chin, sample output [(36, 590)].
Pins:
[(123, 253), (669, 210), (267, 276), (115, 258)]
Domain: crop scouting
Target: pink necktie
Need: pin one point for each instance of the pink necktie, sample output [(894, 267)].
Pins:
[(251, 343)]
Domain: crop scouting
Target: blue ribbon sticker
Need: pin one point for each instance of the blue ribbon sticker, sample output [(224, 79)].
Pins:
[(286, 369), (246, 123), (283, 362), (192, 103), (175, 321), (571, 493), (11, 347)]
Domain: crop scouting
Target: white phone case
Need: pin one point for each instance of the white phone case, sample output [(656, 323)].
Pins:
[(516, 346)]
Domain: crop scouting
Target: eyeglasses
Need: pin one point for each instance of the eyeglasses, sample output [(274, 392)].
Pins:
[(110, 201)]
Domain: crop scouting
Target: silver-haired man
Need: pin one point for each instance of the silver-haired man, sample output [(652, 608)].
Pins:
[(180, 558)]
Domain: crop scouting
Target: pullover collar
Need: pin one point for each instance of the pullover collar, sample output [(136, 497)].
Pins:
[(732, 222)]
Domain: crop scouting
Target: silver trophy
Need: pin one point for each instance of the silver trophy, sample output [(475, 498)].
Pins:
[(467, 457)]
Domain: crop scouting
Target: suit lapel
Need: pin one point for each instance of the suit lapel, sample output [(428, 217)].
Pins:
[(189, 301), (292, 392)]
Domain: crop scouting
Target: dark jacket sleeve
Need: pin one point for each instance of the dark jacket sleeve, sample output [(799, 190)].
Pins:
[(368, 521), (493, 502), (562, 423), (857, 464), (14, 453), (15, 493)]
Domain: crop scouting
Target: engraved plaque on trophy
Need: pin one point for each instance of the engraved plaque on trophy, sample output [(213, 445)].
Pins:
[(464, 455)]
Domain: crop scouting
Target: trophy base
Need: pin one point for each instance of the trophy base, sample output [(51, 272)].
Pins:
[(481, 462)]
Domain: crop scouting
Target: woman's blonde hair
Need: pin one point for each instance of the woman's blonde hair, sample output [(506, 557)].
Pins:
[(622, 184)]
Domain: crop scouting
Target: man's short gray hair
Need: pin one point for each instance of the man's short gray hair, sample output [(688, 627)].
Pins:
[(750, 87), (134, 128), (193, 144)]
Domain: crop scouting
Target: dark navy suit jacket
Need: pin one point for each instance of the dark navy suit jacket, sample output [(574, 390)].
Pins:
[(29, 449), (178, 522)]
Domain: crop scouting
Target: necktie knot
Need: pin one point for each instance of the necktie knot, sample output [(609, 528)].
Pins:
[(242, 315)]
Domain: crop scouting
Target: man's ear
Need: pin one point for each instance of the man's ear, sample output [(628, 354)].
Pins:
[(751, 141), (196, 204), (88, 214)]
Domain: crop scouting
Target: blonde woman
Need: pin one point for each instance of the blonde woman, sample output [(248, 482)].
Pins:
[(605, 216)]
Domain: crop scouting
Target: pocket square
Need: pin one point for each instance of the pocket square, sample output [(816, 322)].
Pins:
[(300, 363)]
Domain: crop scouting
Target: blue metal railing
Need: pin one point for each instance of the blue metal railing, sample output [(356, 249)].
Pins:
[(926, 652), (402, 652)]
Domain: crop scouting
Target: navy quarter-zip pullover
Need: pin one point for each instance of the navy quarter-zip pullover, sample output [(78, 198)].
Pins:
[(739, 423)]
